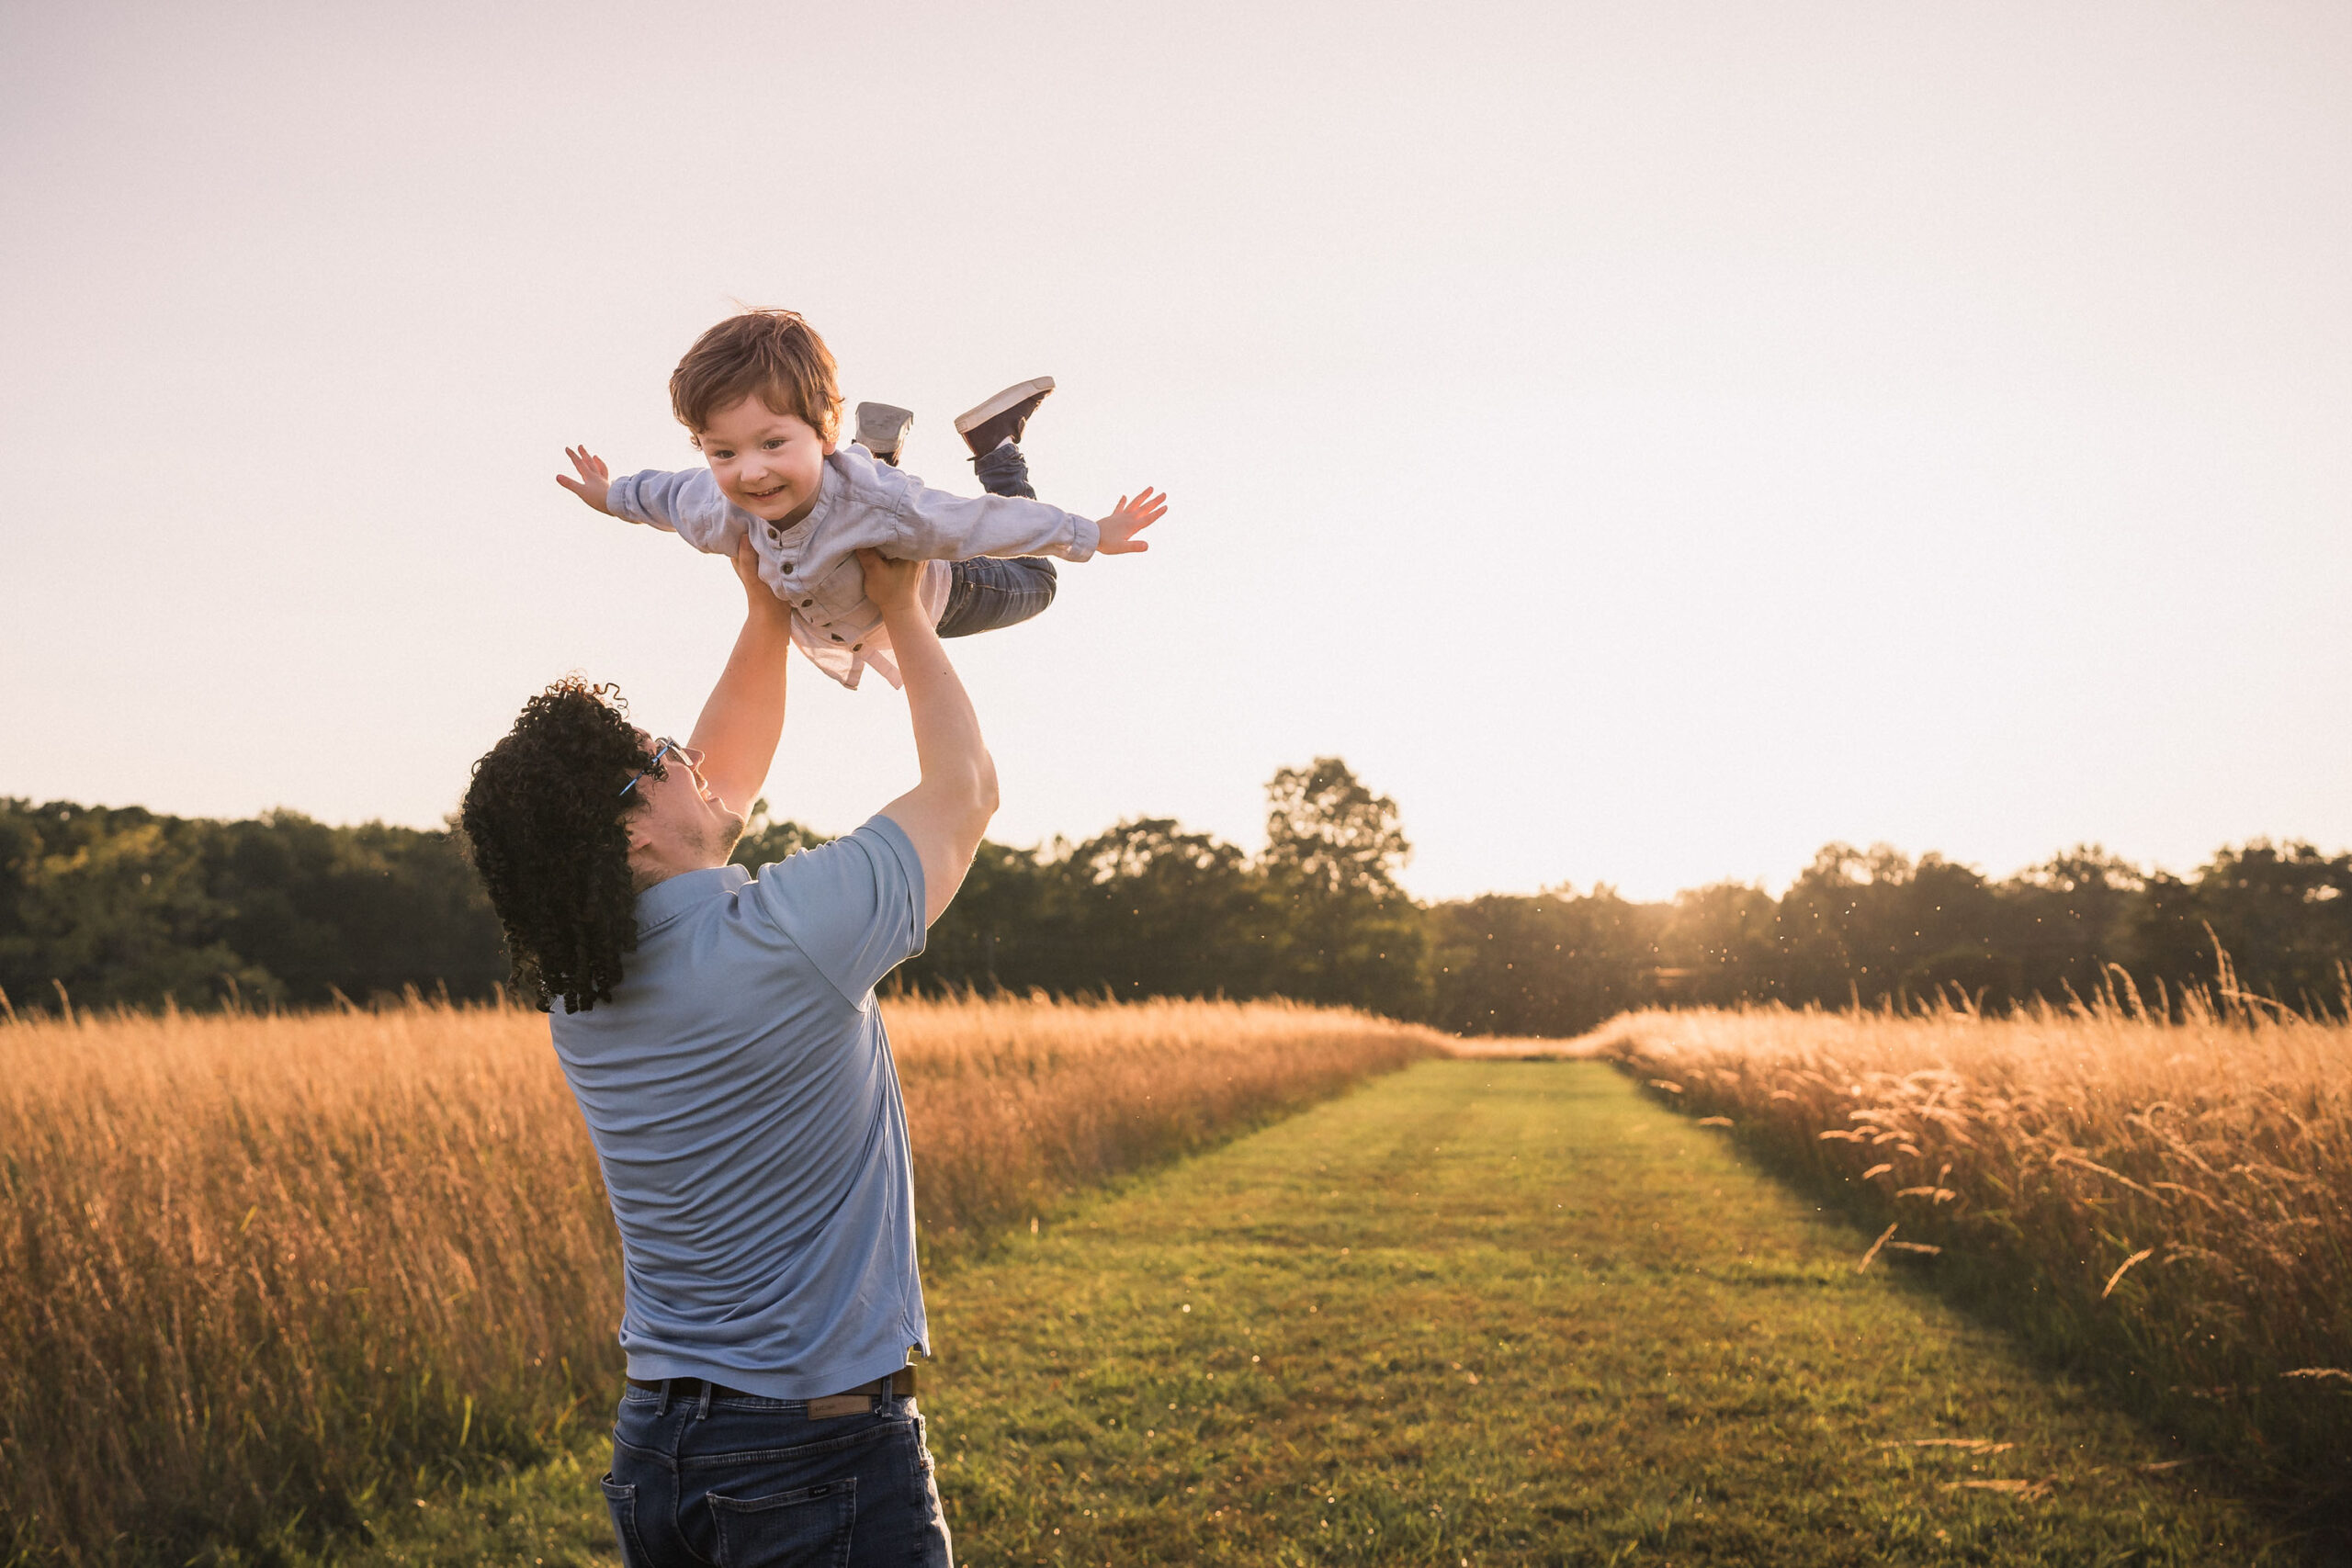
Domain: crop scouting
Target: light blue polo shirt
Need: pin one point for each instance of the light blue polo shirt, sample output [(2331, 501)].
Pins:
[(740, 1094)]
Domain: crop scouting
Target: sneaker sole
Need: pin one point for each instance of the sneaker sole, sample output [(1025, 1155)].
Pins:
[(1012, 397), (874, 418)]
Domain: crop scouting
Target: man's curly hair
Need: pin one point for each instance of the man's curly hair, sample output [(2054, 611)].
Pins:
[(543, 820)]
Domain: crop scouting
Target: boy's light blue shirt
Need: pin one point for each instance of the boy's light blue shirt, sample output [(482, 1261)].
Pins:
[(740, 1093)]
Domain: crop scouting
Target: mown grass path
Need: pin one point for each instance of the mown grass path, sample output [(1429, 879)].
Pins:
[(1486, 1312), (1509, 1312)]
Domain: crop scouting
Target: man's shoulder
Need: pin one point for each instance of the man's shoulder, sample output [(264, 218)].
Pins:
[(673, 899), (878, 850), (845, 880), (852, 908)]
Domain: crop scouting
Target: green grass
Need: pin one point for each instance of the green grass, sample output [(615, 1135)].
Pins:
[(1492, 1313)]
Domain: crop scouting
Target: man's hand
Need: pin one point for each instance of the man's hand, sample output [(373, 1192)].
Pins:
[(890, 583), (595, 481), (945, 814), (761, 597), (1128, 519)]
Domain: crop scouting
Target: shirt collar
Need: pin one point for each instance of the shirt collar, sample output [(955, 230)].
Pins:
[(830, 486), (665, 901)]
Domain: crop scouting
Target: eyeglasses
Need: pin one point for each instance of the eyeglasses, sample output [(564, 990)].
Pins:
[(691, 758)]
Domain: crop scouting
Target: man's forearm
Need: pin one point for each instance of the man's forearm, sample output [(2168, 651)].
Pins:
[(948, 748), (943, 816), (744, 717)]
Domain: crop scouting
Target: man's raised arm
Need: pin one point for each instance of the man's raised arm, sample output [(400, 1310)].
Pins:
[(945, 814), (744, 717)]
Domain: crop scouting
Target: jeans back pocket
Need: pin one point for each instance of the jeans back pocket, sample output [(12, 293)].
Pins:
[(808, 1528), (622, 1501)]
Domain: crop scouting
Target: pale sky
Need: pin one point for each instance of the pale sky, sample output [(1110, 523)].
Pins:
[(1649, 441)]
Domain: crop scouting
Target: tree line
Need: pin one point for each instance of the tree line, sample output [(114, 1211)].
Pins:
[(122, 905)]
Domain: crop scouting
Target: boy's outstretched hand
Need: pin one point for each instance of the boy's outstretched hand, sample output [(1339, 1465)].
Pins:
[(595, 481), (1128, 519)]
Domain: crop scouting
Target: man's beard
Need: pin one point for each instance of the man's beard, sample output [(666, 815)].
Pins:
[(719, 838)]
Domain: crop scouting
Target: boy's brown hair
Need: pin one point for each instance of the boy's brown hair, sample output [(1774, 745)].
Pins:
[(773, 355)]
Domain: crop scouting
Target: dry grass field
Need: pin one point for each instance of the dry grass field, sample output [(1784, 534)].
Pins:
[(257, 1271), (1514, 1313), (2164, 1207)]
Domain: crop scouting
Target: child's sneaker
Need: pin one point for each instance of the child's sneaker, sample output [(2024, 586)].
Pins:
[(1004, 417), (882, 430)]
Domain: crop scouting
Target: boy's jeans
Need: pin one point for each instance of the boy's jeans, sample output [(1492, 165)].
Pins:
[(749, 1483), (986, 594)]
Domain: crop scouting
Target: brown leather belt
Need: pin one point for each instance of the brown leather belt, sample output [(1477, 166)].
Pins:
[(857, 1401)]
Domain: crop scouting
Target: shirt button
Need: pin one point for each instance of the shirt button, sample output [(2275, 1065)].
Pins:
[(787, 566), (806, 602), (837, 636)]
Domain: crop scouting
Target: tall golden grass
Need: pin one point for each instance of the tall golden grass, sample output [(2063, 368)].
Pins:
[(258, 1272), (2169, 1205)]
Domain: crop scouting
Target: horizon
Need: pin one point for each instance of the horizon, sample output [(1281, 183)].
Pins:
[(1647, 445), (1255, 847)]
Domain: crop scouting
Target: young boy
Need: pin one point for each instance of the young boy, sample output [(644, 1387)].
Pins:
[(758, 392)]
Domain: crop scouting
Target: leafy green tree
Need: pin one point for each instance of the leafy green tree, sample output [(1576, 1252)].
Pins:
[(2282, 912), (1873, 925), (1719, 945), (1552, 965), (1348, 933), (1159, 911), (367, 911), (126, 905), (1327, 834), (2066, 920), (768, 839), (1006, 931), (112, 905)]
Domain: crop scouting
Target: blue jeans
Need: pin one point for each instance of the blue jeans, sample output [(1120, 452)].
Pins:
[(748, 1482), (986, 594)]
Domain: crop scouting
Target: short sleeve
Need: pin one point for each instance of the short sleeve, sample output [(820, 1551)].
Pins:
[(854, 905)]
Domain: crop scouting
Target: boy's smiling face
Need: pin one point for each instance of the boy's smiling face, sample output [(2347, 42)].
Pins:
[(770, 464)]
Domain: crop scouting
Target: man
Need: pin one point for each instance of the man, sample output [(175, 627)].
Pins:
[(721, 1032)]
